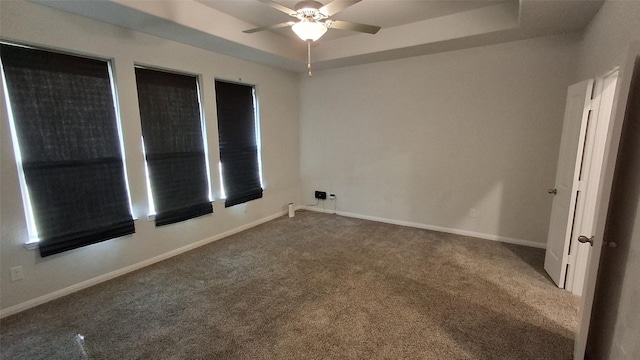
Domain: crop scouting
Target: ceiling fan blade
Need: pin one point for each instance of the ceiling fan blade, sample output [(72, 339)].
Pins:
[(279, 7), (270, 27), (336, 6), (346, 25)]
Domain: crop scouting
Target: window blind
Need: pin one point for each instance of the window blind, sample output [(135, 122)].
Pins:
[(174, 145), (65, 121), (237, 140)]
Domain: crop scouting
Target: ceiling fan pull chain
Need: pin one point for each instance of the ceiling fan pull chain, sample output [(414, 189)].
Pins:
[(309, 56)]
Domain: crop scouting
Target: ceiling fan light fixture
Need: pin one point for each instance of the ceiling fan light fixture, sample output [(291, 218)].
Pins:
[(309, 30)]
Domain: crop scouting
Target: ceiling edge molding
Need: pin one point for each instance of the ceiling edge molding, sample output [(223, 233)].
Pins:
[(193, 23)]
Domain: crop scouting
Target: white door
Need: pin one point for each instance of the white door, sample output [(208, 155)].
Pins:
[(603, 193), (591, 172), (567, 183)]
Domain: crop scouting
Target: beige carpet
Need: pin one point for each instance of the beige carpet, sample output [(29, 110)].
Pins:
[(313, 287)]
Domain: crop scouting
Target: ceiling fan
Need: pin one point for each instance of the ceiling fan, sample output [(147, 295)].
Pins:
[(314, 20)]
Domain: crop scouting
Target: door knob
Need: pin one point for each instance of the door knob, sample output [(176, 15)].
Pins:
[(552, 191), (583, 239)]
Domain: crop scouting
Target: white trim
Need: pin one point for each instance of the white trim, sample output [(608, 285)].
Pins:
[(32, 229), (499, 238), (116, 111), (203, 129), (102, 278)]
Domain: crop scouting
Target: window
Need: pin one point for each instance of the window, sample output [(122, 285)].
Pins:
[(67, 141), (174, 145), (240, 166)]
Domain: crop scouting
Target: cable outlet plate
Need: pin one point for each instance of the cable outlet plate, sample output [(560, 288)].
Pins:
[(321, 195)]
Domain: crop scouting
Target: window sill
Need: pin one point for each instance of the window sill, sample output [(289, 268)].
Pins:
[(152, 217), (33, 245)]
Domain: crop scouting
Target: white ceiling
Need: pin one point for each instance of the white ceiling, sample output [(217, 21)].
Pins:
[(409, 27)]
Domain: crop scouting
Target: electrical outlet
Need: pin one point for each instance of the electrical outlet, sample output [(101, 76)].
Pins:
[(472, 213), (17, 273), (332, 196), (321, 195)]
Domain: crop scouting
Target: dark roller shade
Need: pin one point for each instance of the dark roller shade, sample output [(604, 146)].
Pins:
[(237, 140), (172, 132), (65, 120)]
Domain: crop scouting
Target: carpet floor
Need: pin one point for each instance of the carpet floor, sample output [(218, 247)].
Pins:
[(315, 286)]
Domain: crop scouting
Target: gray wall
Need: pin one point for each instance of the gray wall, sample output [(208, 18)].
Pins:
[(56, 275), (421, 141), (616, 321)]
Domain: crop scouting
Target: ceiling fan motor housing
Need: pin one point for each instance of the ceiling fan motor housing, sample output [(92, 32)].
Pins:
[(309, 9)]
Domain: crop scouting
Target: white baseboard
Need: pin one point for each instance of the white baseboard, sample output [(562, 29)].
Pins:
[(499, 238), (114, 274)]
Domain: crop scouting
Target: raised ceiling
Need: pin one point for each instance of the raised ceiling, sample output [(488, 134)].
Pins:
[(409, 27), (386, 13)]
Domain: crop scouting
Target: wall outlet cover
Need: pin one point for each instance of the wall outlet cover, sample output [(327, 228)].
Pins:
[(17, 273), (321, 194)]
